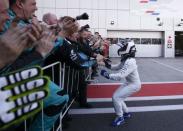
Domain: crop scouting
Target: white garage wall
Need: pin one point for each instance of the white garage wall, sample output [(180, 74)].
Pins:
[(103, 12)]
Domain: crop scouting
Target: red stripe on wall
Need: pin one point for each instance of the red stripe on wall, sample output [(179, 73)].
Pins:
[(143, 1), (106, 91), (149, 11)]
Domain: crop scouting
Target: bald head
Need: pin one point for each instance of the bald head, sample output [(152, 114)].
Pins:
[(50, 19)]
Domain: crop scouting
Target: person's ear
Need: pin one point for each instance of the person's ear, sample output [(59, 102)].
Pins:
[(19, 4)]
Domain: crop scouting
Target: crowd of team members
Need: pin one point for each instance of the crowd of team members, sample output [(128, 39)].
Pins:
[(26, 45)]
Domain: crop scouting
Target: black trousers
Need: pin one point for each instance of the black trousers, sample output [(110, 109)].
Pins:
[(82, 88)]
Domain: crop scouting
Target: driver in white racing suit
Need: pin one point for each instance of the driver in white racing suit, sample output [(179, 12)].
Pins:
[(127, 69)]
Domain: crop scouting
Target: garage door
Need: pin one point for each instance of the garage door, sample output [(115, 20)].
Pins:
[(148, 43)]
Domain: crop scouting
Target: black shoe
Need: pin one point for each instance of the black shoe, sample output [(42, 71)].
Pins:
[(86, 105)]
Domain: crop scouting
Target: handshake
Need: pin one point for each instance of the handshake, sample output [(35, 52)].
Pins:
[(105, 74), (103, 61)]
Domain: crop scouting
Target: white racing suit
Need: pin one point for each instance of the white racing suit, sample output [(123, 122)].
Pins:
[(127, 70)]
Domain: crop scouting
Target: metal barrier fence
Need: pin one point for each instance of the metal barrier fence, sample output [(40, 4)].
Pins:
[(68, 79)]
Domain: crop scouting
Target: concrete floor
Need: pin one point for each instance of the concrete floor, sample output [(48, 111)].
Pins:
[(150, 70), (154, 70)]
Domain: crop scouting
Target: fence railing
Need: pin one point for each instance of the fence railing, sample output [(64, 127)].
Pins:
[(66, 78)]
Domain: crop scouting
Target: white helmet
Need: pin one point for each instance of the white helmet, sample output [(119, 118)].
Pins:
[(127, 47)]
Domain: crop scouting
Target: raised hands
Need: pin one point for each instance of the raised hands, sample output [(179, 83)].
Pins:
[(13, 43), (46, 43)]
